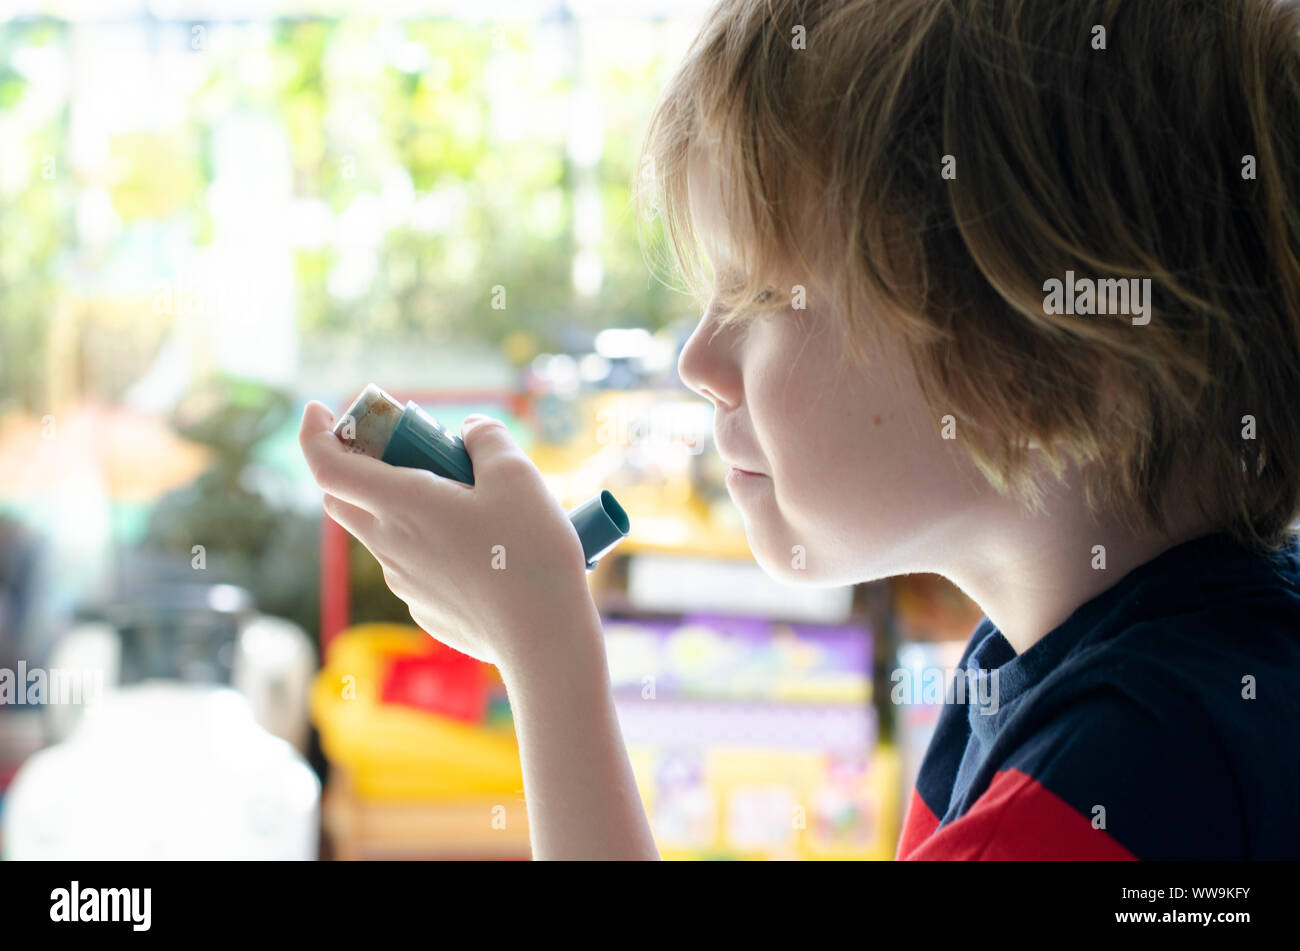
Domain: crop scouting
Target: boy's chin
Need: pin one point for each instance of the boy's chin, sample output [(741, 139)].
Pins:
[(792, 566)]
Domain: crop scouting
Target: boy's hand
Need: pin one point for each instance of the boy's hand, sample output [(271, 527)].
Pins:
[(483, 568)]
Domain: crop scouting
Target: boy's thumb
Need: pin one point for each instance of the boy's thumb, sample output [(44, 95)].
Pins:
[(486, 438)]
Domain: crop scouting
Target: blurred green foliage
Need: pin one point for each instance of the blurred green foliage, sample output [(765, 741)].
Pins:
[(457, 138), (471, 122), (34, 221)]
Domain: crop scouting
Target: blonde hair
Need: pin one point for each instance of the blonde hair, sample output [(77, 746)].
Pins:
[(1130, 159)]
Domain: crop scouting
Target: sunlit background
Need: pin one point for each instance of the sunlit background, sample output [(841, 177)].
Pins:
[(211, 213)]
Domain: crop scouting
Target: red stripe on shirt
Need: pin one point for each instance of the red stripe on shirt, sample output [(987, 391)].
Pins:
[(917, 827), (1016, 818)]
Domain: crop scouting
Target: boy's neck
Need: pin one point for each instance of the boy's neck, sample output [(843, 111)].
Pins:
[(1030, 573)]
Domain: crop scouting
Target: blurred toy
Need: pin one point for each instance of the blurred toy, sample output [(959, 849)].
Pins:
[(194, 634), (164, 771), (423, 759)]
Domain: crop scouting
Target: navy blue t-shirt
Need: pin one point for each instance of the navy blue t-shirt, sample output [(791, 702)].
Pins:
[(1161, 720)]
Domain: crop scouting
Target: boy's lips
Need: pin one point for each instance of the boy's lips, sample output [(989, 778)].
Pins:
[(738, 479), (738, 467), (734, 463)]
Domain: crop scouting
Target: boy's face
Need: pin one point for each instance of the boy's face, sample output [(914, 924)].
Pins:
[(853, 478)]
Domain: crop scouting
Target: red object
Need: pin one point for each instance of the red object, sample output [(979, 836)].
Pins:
[(335, 600), (443, 681), (1016, 818)]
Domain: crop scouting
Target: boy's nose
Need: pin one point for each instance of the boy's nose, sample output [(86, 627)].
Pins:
[(708, 363)]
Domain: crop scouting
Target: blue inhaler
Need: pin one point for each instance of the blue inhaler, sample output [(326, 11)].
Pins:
[(377, 425)]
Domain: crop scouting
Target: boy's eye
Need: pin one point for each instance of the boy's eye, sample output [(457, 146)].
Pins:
[(763, 297)]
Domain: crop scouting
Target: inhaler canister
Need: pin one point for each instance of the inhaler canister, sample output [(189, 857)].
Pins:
[(377, 425)]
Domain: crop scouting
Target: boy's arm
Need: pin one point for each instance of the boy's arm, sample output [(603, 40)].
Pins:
[(581, 796), (536, 622)]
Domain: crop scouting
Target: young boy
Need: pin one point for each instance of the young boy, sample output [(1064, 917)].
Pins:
[(1006, 290)]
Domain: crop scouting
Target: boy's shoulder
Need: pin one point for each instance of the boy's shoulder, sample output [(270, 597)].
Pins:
[(1179, 734), (1160, 773), (1168, 728)]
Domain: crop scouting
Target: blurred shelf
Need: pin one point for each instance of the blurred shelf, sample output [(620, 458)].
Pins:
[(480, 828)]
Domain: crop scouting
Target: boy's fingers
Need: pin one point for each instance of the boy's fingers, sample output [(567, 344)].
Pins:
[(315, 416), (352, 477), (356, 521), (487, 441)]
